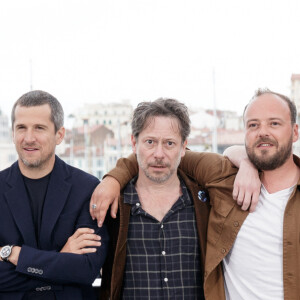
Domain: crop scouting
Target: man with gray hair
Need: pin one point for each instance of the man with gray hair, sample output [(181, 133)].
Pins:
[(49, 244), (157, 246)]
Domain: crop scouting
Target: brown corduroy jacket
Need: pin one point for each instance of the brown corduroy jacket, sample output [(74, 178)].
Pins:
[(216, 174), (226, 219), (113, 269)]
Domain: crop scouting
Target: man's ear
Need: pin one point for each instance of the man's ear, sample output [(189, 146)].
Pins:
[(133, 143), (183, 148), (60, 134), (295, 133)]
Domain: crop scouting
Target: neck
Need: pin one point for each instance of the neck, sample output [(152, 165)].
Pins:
[(150, 186), (281, 178), (158, 198), (37, 172)]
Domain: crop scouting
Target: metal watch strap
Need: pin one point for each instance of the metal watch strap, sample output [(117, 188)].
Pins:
[(6, 258)]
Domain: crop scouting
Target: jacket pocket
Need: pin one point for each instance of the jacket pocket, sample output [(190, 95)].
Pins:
[(222, 206)]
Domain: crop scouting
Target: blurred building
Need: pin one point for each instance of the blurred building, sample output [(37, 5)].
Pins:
[(112, 115), (295, 90), (83, 148), (7, 148), (97, 135), (229, 130), (295, 96)]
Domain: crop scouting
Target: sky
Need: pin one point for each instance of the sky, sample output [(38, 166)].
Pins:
[(199, 52)]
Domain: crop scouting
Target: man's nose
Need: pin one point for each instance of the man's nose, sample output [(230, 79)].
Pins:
[(29, 136), (159, 151), (263, 130)]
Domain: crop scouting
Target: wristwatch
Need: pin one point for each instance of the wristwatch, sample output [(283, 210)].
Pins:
[(5, 252)]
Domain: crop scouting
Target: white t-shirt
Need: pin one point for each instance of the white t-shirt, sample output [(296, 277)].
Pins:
[(253, 267)]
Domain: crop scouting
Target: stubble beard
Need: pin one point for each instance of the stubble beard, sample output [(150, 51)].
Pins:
[(268, 163), (37, 163), (158, 162)]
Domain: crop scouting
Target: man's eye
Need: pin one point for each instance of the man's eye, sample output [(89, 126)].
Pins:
[(170, 143), (252, 125), (149, 142)]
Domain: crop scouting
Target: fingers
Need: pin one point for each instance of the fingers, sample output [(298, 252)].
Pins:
[(246, 188), (114, 208), (246, 202), (105, 194), (240, 197), (81, 241), (88, 237), (254, 201), (92, 202), (235, 192), (86, 250), (103, 210), (88, 243), (81, 231)]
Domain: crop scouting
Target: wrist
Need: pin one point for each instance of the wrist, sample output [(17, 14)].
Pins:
[(247, 163), (14, 257), (5, 252)]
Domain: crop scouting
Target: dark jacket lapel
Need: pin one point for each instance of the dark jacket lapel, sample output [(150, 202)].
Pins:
[(18, 202), (56, 197)]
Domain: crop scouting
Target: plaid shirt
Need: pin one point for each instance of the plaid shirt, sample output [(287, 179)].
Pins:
[(163, 260)]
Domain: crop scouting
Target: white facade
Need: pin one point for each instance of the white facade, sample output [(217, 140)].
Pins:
[(112, 115), (295, 96), (8, 155), (7, 147), (295, 90)]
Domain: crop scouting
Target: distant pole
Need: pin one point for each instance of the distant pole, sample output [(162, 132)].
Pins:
[(119, 146), (86, 158), (30, 70), (214, 135)]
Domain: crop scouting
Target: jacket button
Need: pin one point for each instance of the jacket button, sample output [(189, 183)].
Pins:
[(223, 250), (236, 224)]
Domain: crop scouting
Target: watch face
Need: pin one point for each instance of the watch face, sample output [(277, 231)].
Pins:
[(5, 251)]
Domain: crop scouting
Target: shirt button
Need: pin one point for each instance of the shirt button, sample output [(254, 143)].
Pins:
[(138, 204), (162, 226), (166, 279), (163, 252)]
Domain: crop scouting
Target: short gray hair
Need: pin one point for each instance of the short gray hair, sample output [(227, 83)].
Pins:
[(37, 98), (161, 107)]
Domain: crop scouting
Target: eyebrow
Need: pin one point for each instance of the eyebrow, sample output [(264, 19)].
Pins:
[(35, 125), (269, 119)]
